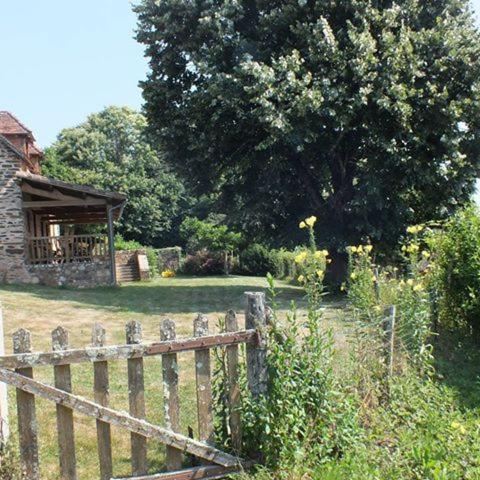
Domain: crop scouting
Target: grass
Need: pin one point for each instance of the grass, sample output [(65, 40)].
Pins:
[(430, 429), (41, 309)]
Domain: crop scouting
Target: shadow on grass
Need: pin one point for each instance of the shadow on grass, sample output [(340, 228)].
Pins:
[(457, 363), (179, 295)]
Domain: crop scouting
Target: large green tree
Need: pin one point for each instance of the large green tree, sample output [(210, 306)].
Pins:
[(365, 113), (110, 151)]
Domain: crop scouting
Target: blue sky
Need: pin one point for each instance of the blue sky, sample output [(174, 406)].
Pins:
[(62, 60)]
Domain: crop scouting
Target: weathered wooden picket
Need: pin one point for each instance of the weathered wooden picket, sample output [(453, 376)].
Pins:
[(17, 370)]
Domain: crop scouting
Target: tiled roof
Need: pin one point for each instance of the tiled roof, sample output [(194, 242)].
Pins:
[(33, 149), (9, 124)]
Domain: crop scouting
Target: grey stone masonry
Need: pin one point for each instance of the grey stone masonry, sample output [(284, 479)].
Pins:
[(13, 268)]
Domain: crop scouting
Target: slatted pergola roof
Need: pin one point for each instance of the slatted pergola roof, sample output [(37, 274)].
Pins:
[(58, 202)]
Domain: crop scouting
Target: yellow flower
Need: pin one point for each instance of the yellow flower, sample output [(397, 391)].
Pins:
[(377, 308), (353, 249), (368, 248), (320, 273), (310, 221), (425, 254), (458, 426), (168, 273), (302, 225), (359, 249), (342, 287), (300, 258), (417, 288), (353, 275), (410, 282), (413, 248), (301, 279), (414, 229)]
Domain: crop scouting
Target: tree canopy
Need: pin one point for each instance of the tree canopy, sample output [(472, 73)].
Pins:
[(110, 151), (365, 113)]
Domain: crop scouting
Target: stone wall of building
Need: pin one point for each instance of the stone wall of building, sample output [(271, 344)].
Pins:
[(13, 268), (81, 274)]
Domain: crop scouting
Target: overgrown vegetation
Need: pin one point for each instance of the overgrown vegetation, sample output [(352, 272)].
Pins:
[(338, 412), (456, 277), (365, 113)]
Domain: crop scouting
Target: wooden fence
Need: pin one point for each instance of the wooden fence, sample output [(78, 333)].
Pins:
[(17, 370)]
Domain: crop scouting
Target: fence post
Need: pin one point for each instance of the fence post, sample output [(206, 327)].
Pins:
[(66, 437), (255, 317), (4, 425), (171, 400), (376, 284), (204, 383), (27, 419), (231, 325), (389, 326), (136, 390), (101, 392)]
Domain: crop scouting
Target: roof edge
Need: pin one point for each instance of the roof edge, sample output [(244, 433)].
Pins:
[(73, 186)]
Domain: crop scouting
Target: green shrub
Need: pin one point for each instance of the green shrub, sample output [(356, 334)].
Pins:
[(203, 235), (121, 244), (288, 266), (258, 260), (152, 256), (456, 277)]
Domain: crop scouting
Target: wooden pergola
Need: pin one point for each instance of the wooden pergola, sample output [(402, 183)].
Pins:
[(49, 203)]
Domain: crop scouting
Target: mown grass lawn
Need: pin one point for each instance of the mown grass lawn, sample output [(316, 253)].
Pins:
[(41, 309)]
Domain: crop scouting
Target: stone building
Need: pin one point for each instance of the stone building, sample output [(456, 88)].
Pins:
[(40, 219)]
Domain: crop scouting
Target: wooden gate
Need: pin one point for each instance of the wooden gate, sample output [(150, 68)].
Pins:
[(17, 370)]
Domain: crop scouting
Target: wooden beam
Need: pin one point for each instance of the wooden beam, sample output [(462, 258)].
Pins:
[(118, 419), (70, 215), (50, 193), (74, 221), (124, 352), (196, 473), (63, 203)]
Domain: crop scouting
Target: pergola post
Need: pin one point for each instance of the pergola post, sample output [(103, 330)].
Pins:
[(111, 246)]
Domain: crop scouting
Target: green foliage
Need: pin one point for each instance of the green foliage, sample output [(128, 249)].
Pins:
[(304, 419), (456, 278), (122, 244), (110, 151), (258, 260), (152, 256), (371, 289), (9, 464), (204, 235), (364, 112)]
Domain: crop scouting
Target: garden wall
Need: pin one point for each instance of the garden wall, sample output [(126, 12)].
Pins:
[(81, 274)]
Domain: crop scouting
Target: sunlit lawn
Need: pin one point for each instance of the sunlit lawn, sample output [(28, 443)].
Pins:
[(41, 309)]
